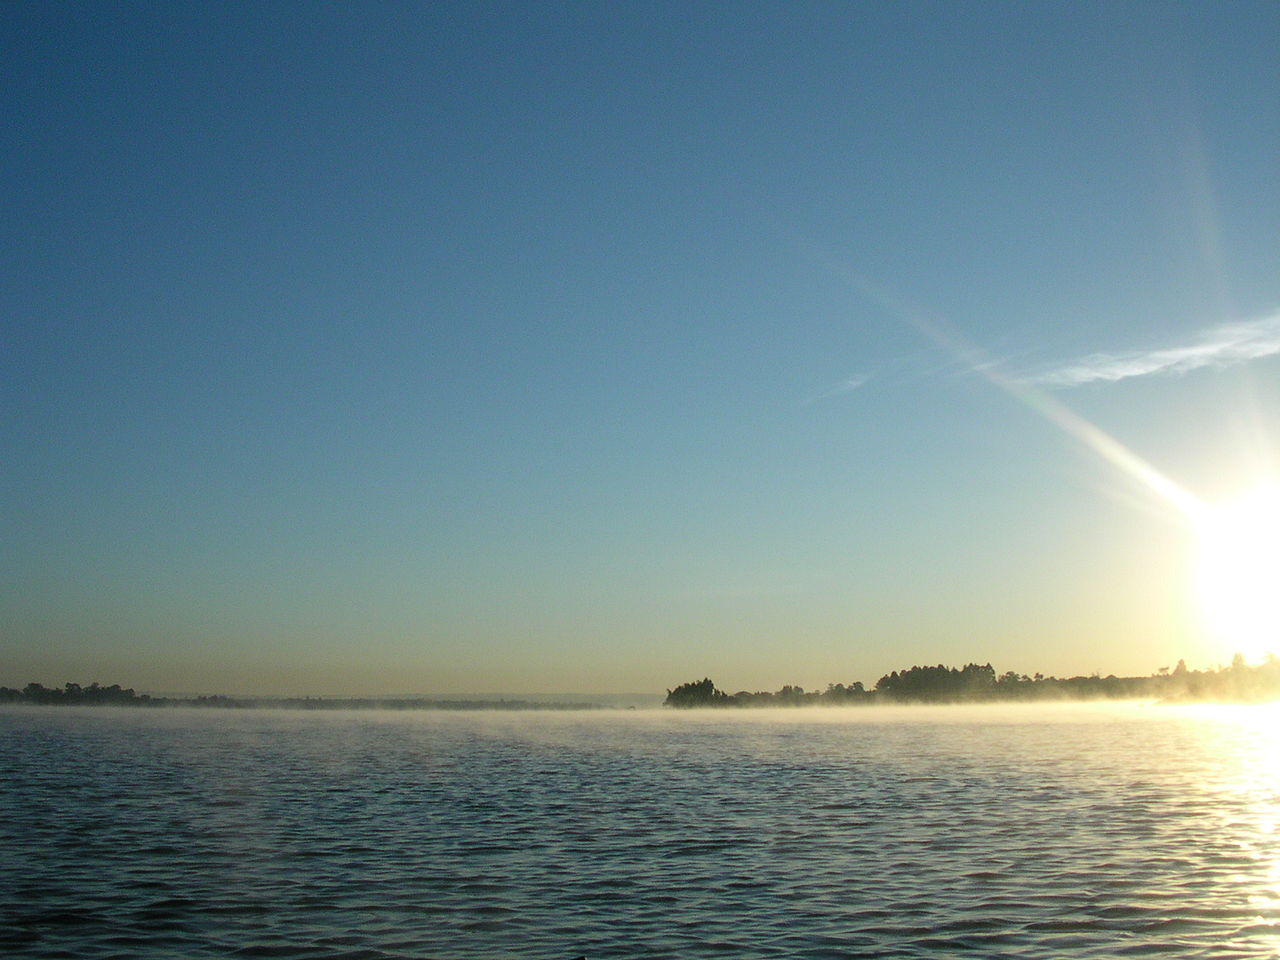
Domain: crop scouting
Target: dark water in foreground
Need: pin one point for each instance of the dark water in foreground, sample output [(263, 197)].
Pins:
[(1064, 832)]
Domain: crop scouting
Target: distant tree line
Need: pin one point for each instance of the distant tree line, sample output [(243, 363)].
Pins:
[(73, 694), (979, 683)]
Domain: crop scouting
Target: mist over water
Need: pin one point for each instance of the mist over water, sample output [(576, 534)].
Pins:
[(1054, 831)]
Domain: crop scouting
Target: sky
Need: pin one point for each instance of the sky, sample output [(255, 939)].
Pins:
[(441, 348)]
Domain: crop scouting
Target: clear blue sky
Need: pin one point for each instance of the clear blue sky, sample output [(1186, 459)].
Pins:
[(542, 347)]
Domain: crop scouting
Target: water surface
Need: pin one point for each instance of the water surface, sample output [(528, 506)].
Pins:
[(1103, 831)]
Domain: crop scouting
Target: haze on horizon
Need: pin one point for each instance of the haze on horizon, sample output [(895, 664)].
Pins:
[(594, 347)]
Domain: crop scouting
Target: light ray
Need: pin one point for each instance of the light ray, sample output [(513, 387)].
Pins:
[(1105, 446)]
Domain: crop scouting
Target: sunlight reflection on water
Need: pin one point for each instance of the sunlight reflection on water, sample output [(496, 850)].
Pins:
[(1056, 831)]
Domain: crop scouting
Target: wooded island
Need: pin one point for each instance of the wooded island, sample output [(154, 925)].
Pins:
[(979, 683)]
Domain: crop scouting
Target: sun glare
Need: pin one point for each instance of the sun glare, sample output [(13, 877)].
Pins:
[(1239, 571)]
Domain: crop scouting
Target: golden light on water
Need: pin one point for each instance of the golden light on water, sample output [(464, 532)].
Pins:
[(1239, 571)]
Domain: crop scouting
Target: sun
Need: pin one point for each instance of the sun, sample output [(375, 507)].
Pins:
[(1239, 571)]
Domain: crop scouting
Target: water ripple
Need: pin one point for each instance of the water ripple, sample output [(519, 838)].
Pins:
[(369, 836)]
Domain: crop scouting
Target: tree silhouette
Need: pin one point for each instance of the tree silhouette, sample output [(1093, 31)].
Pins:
[(702, 693)]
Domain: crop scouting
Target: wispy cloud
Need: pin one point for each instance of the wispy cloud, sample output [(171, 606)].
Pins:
[(836, 389), (1217, 347)]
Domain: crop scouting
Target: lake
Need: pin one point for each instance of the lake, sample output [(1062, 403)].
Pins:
[(1054, 831)]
